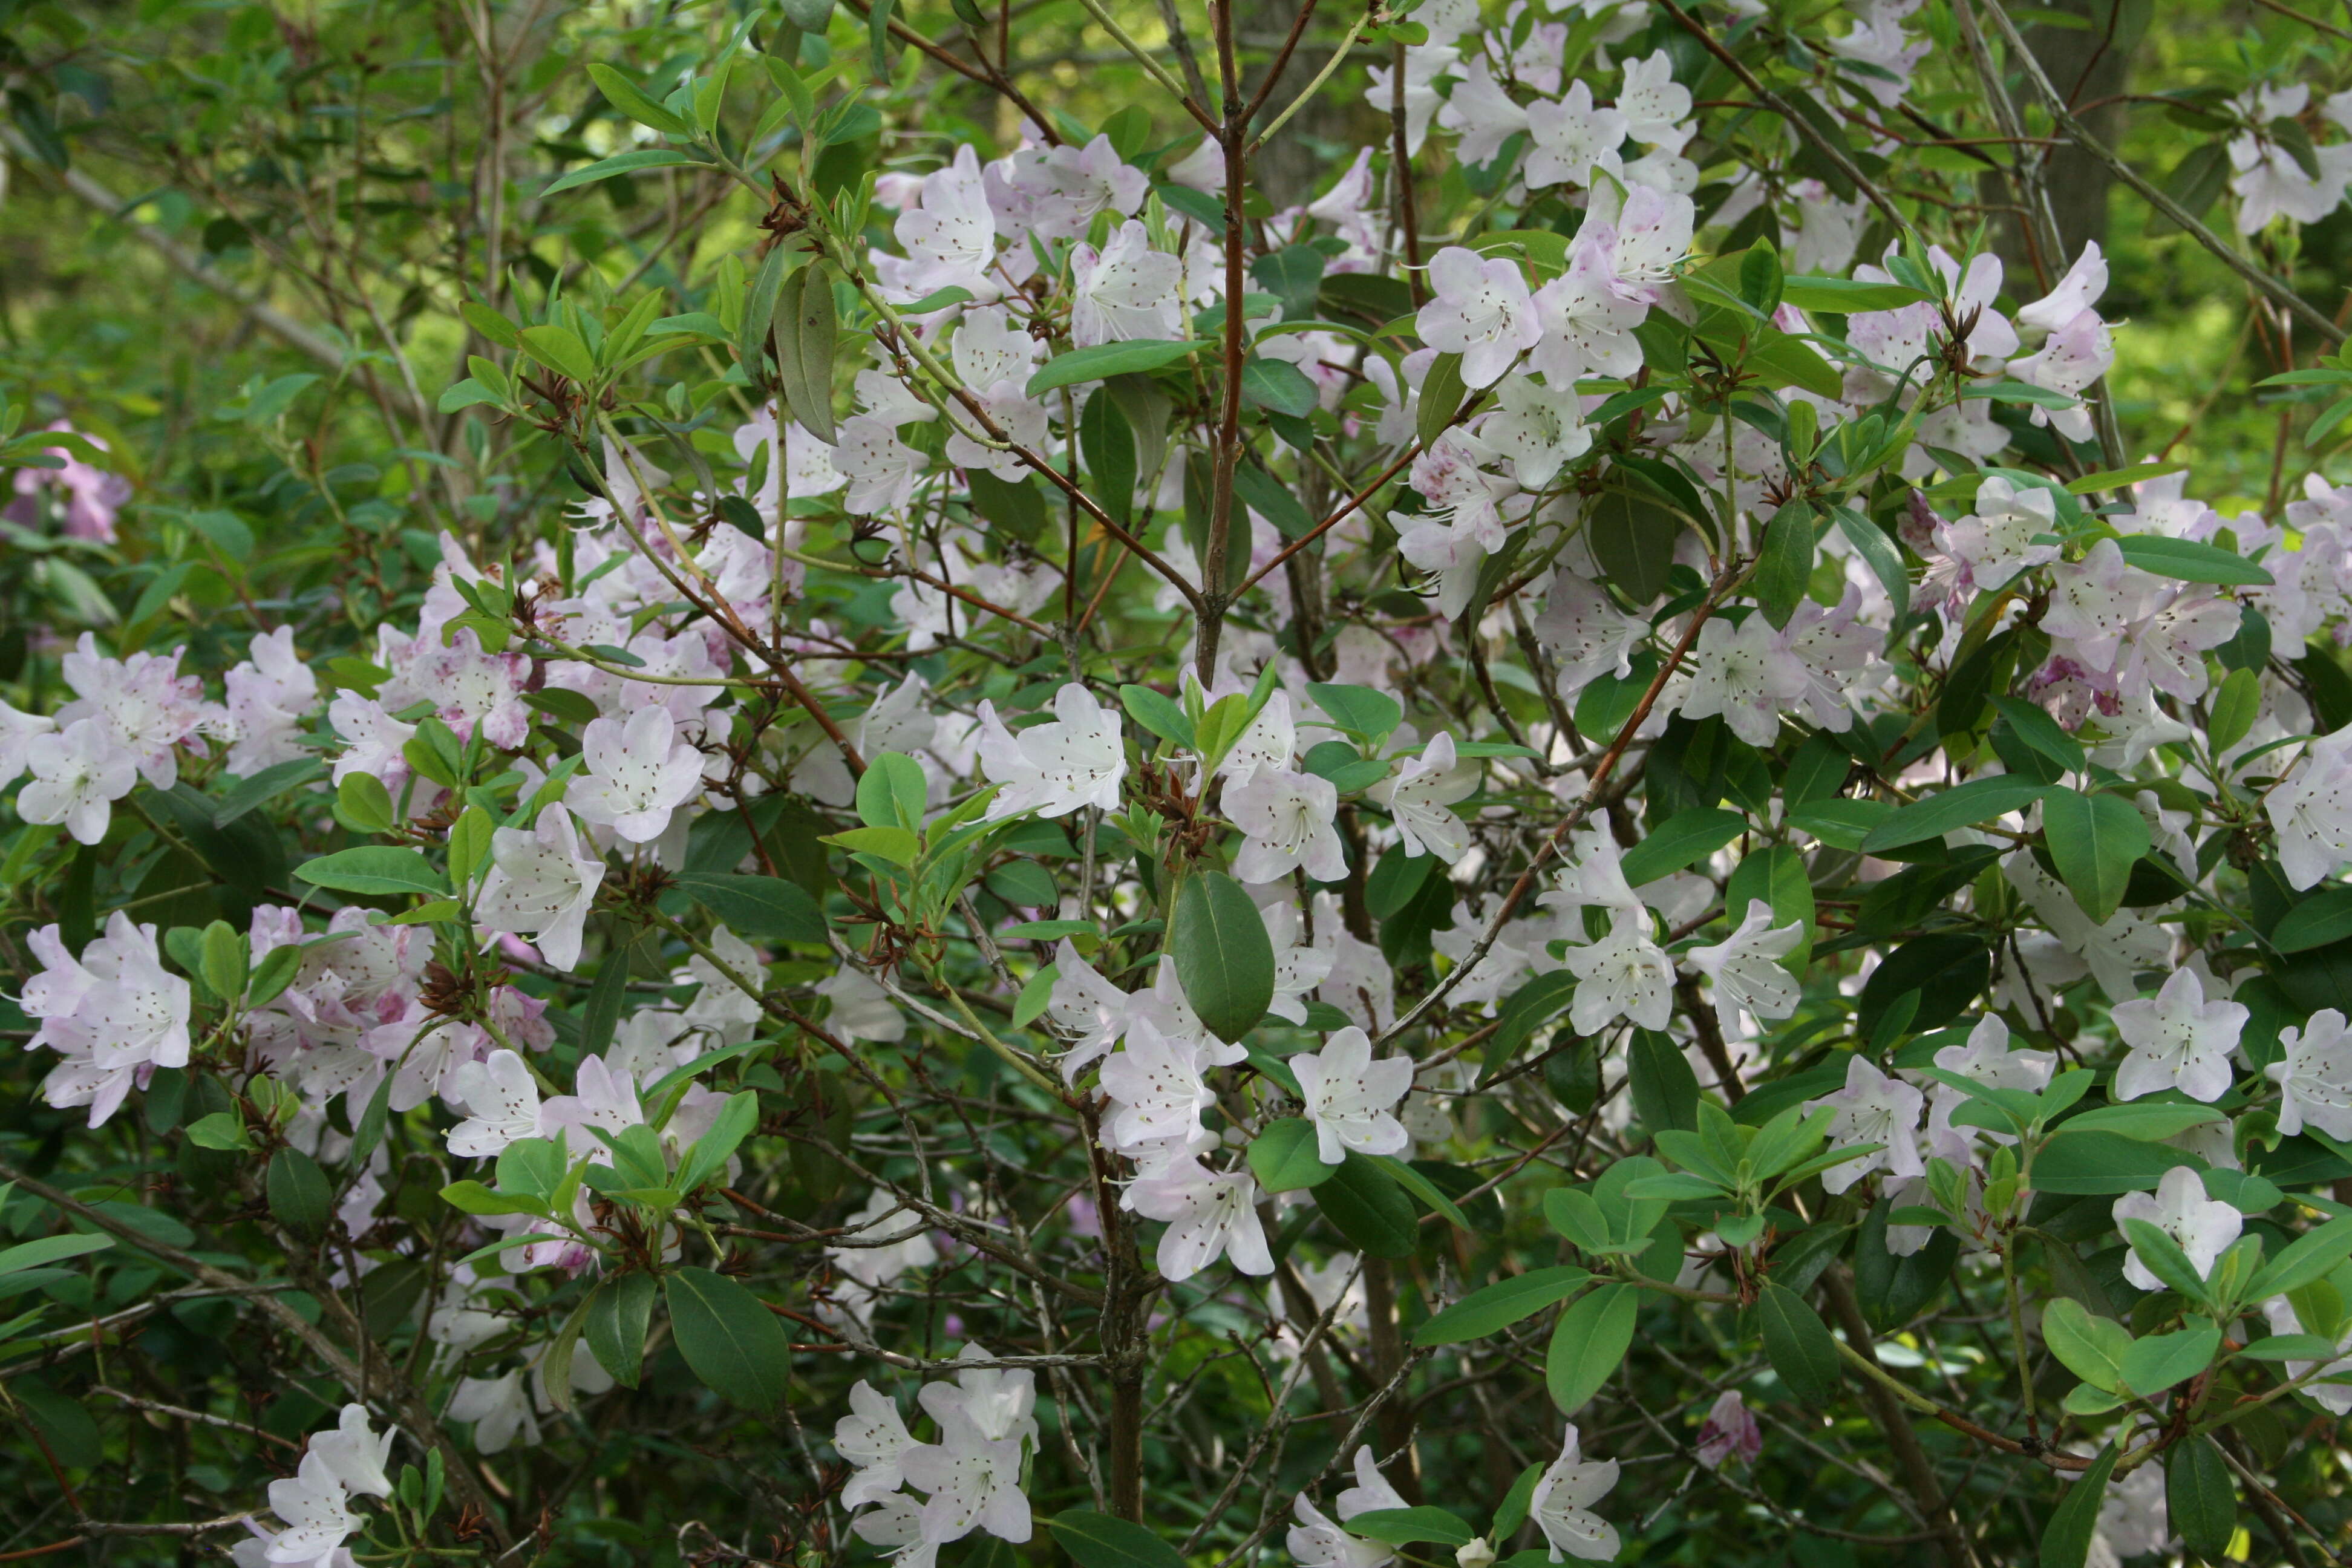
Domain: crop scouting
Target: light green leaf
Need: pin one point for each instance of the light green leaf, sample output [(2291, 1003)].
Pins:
[(2095, 840), (1498, 1306)]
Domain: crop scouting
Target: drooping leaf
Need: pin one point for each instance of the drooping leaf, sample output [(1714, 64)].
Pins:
[(1099, 1541), (1589, 1343), (1798, 1344), (1223, 958), (732, 1342), (2095, 840), (758, 909)]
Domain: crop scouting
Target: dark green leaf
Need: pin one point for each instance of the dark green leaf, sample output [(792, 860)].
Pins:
[(299, 1196), (1683, 839), (757, 908), (1224, 959), (1099, 1541), (375, 869), (732, 1342), (619, 1313), (2199, 1500), (1283, 1158), (1106, 360), (2095, 840), (2066, 1539), (1498, 1307), (1798, 1344), (2188, 561), (1963, 805), (1589, 1343), (1365, 1204)]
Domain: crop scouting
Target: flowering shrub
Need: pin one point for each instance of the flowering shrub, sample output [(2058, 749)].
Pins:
[(1559, 854)]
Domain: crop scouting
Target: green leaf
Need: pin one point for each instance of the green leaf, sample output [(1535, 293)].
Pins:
[(375, 869), (1358, 709), (1666, 1091), (1406, 1526), (1784, 564), (625, 163), (2199, 1500), (1365, 1204), (893, 792), (1840, 824), (2234, 708), (1099, 1541), (299, 1196), (2092, 1347), (709, 1156), (804, 328), (2319, 920), (1421, 1187), (1283, 1157), (731, 1342), (221, 1130), (266, 786), (2309, 1258), (1880, 552), (2043, 733), (1631, 537), (1526, 1010), (1498, 1306), (1224, 959), (2147, 1123), (619, 1313), (1108, 441), (1106, 360), (1278, 386), (1157, 713), (758, 909), (2188, 560), (633, 101), (46, 1249), (1683, 839), (1963, 805), (1798, 1344), (759, 317), (1589, 1343), (2094, 841), (1442, 391), (561, 351), (2163, 1257), (1846, 297), (2066, 1539), (2154, 1365), (472, 1197)]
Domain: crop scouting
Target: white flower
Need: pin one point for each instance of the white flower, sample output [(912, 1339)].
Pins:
[(2311, 810), (2203, 1228), (1053, 769), (1351, 1098), (1986, 1058), (1586, 319), (1537, 429), (1269, 743), (1371, 1492), (1210, 1213), (974, 1482), (2077, 292), (874, 1438), (602, 1096), (1479, 308), (113, 1015), (2094, 601), (1316, 1542), (638, 773), (1997, 539), (1624, 975), (541, 883), (1872, 1109), (1125, 290), (1418, 796), (1744, 968), (999, 1403), (862, 1009), (1587, 634), (1562, 1502), (499, 1408), (1742, 674), (2313, 1073), (951, 239), (356, 1455), (269, 695), (888, 1240), (1290, 820), (1566, 136), (2177, 1040), (316, 1509), (1156, 1089), (1298, 969), (501, 1102), (2327, 1395), (17, 731), (78, 772)]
